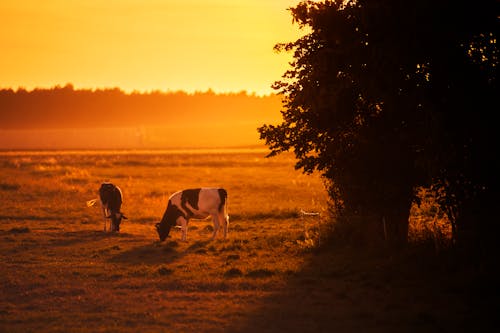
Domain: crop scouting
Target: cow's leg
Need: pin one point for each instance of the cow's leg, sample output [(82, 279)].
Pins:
[(114, 221), (112, 226), (225, 222), (104, 214), (184, 228), (215, 220)]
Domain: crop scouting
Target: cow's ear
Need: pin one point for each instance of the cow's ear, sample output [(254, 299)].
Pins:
[(157, 225), (124, 217)]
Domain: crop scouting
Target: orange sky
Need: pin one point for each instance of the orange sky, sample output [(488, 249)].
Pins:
[(167, 45)]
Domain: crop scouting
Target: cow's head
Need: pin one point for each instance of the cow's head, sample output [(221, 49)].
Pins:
[(163, 230), (116, 219)]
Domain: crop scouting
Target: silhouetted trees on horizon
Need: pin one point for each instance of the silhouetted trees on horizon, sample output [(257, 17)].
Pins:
[(66, 107)]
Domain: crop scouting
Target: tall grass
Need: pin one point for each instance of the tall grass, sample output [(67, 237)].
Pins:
[(428, 223), (257, 186)]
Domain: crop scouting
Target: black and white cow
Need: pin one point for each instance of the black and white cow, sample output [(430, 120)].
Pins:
[(198, 203), (110, 196)]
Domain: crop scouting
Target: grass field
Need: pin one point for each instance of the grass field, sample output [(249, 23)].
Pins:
[(61, 273)]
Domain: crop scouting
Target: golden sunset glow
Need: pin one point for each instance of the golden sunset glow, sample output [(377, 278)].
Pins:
[(145, 45)]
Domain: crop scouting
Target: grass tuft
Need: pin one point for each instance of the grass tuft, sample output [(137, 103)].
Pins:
[(233, 272), (165, 271), (260, 273), (20, 230), (233, 257), (9, 187)]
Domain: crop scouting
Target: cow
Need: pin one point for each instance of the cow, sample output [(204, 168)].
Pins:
[(110, 196), (197, 203)]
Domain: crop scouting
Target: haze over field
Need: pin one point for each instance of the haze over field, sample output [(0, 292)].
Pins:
[(140, 74), (65, 118)]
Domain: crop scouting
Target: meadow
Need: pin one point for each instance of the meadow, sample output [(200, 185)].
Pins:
[(276, 272)]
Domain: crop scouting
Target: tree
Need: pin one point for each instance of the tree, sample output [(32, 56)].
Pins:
[(381, 97)]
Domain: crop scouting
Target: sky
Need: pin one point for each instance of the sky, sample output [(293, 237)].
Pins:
[(145, 45)]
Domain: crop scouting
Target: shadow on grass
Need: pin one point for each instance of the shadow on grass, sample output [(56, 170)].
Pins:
[(158, 253), (147, 254), (344, 290), (85, 236), (26, 218)]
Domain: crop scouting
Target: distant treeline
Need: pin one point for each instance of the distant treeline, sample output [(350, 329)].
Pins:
[(66, 107)]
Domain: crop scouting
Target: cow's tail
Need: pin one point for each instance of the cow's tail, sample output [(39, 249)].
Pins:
[(92, 202), (223, 203)]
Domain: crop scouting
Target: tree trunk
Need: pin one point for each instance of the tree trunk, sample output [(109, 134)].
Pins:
[(395, 227)]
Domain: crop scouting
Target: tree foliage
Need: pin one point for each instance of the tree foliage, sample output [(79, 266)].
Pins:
[(385, 96)]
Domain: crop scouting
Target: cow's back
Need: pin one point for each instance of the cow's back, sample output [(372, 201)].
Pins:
[(203, 200), (110, 196), (212, 199)]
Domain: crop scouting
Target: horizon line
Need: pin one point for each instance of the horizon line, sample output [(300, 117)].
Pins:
[(209, 90)]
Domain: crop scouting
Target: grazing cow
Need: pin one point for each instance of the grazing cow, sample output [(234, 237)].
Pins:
[(111, 201), (110, 196), (199, 203)]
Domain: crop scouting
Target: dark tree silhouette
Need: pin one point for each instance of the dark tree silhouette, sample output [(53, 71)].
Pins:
[(66, 107), (385, 96)]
